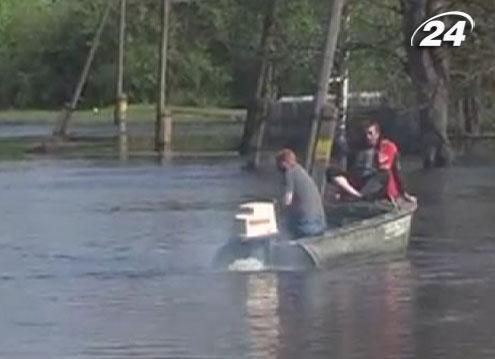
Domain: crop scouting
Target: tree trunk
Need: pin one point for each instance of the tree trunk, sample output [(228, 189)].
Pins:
[(66, 115), (471, 107), (429, 71), (263, 89)]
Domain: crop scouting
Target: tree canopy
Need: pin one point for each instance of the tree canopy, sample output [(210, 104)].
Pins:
[(214, 48)]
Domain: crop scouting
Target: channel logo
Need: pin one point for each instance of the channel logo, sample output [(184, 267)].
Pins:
[(438, 33)]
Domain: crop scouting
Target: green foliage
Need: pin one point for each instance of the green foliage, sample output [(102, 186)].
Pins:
[(378, 59), (41, 55), (213, 50)]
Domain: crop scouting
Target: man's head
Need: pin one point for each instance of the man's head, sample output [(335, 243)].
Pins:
[(372, 133), (285, 159)]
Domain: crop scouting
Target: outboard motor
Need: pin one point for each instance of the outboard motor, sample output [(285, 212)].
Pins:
[(256, 244), (255, 229), (256, 220)]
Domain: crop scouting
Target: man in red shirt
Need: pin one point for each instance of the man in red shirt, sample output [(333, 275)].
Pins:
[(387, 159), (376, 171)]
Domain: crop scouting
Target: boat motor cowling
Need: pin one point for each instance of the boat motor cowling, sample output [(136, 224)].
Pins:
[(256, 220)]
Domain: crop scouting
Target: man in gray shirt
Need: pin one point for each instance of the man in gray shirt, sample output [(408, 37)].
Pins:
[(301, 196)]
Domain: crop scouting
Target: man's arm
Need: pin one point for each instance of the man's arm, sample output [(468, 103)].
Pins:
[(288, 198), (344, 185), (387, 154), (289, 188)]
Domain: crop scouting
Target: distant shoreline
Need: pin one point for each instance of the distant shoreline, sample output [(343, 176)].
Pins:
[(200, 132), (136, 113)]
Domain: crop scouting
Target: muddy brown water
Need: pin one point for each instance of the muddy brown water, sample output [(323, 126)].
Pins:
[(101, 259)]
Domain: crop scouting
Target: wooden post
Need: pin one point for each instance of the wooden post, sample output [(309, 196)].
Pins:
[(122, 111), (119, 96), (61, 128), (323, 78), (120, 114), (167, 134), (324, 143), (163, 125)]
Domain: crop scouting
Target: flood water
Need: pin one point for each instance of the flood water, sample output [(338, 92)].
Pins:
[(101, 259)]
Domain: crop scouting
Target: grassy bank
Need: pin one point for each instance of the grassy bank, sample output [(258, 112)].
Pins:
[(25, 147), (200, 131), (136, 113)]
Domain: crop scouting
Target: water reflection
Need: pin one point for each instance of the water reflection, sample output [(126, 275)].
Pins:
[(347, 313), (395, 334), (262, 304)]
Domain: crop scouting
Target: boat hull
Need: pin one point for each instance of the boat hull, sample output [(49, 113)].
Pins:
[(385, 231), (389, 232)]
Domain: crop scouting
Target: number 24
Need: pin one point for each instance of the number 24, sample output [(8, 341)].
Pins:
[(455, 34)]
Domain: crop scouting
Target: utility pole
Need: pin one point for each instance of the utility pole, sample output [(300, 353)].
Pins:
[(320, 97), (61, 128), (163, 125), (120, 59), (343, 90), (121, 98)]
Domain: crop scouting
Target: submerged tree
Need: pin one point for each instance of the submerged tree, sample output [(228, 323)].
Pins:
[(443, 87), (263, 90), (429, 69)]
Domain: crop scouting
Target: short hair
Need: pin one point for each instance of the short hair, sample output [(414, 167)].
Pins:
[(372, 123), (286, 155)]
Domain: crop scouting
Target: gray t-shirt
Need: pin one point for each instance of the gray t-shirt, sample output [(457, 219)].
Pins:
[(306, 201)]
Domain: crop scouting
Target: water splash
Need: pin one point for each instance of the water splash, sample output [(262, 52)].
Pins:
[(250, 264)]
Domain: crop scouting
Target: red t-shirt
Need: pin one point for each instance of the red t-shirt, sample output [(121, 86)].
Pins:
[(387, 151)]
